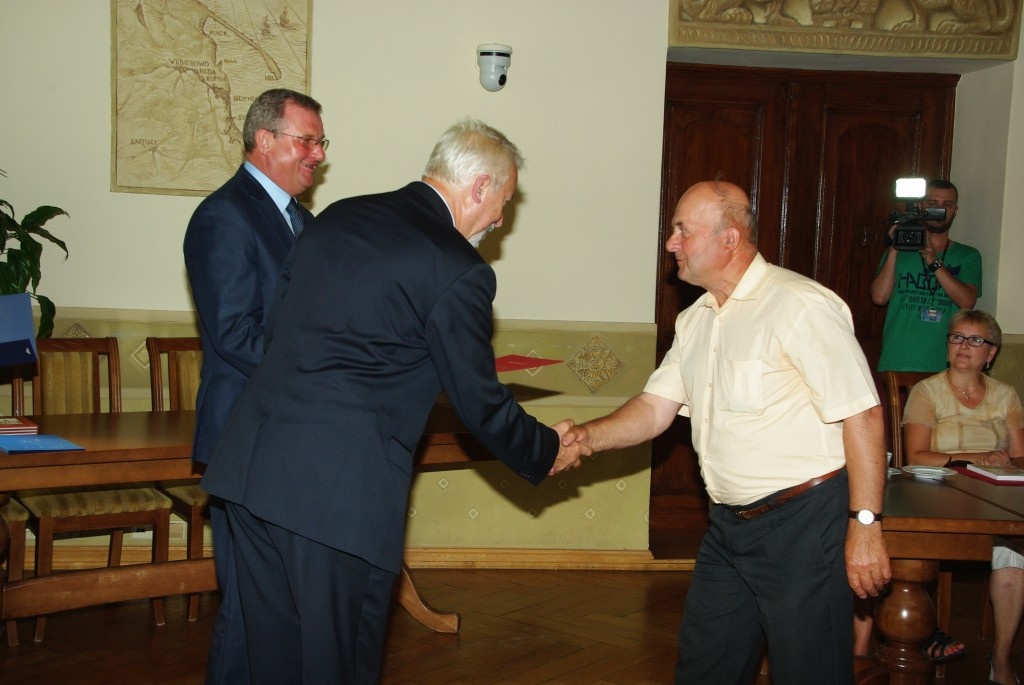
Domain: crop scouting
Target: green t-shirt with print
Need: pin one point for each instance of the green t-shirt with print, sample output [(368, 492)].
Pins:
[(914, 335)]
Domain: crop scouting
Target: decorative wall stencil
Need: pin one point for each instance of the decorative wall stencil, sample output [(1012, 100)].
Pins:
[(595, 364), (986, 29), (75, 331), (141, 356)]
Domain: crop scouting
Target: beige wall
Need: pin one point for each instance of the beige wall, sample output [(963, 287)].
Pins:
[(1011, 248), (981, 150), (583, 102)]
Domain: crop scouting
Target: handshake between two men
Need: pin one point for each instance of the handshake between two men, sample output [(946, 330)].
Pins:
[(569, 450)]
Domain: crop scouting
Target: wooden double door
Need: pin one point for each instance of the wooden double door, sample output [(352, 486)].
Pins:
[(819, 153)]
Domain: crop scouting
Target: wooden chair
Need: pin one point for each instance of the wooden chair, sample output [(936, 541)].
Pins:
[(15, 516), (897, 387), (183, 358), (67, 379)]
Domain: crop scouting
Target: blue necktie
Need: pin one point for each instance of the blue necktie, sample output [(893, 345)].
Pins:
[(295, 216)]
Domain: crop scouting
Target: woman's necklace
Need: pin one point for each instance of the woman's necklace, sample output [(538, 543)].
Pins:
[(967, 395)]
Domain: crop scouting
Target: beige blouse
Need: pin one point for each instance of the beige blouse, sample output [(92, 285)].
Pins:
[(956, 428)]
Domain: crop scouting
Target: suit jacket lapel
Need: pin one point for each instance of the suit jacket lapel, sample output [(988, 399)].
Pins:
[(271, 215)]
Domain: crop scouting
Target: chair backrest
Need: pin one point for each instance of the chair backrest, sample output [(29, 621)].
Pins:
[(183, 358), (67, 377), (897, 387)]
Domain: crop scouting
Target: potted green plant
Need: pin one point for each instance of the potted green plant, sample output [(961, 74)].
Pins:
[(20, 254)]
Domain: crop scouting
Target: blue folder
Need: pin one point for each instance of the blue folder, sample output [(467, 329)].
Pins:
[(17, 336), (20, 444)]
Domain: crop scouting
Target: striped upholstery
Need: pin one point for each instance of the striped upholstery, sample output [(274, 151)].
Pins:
[(67, 386), (92, 502), (189, 493), (186, 381), (13, 512)]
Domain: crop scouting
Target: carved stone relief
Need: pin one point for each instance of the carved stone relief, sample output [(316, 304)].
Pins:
[(984, 29)]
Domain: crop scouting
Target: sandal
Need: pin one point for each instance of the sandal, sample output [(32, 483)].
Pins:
[(942, 648)]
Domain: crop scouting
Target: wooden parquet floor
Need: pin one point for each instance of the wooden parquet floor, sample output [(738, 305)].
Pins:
[(518, 627), (542, 627)]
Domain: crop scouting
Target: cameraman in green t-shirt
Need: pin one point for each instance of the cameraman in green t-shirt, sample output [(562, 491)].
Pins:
[(924, 288)]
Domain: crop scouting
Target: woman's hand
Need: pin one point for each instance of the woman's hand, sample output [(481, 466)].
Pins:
[(995, 458)]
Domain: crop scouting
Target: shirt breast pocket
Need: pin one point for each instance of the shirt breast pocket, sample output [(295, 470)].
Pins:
[(742, 388)]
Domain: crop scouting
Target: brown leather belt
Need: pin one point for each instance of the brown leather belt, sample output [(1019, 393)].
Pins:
[(783, 496)]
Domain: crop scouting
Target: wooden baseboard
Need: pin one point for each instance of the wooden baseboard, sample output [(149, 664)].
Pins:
[(77, 557), (69, 557), (546, 559)]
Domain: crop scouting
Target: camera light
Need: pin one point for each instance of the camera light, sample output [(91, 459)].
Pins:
[(910, 188)]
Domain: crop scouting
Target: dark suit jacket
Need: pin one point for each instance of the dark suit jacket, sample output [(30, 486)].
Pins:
[(380, 306), (234, 247)]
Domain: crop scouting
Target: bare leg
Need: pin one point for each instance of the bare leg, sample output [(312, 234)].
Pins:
[(863, 624), (1006, 592)]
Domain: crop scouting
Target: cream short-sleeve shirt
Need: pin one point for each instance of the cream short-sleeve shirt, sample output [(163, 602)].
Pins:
[(767, 380)]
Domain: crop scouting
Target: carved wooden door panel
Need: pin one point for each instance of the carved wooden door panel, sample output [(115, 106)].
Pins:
[(860, 133), (818, 152)]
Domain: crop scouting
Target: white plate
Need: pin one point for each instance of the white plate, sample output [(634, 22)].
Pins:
[(929, 472), (893, 471)]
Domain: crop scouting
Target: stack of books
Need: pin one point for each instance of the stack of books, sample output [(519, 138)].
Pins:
[(999, 475), (17, 425)]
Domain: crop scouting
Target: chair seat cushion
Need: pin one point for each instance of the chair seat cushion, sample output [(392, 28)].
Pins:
[(192, 495), (92, 501), (12, 511)]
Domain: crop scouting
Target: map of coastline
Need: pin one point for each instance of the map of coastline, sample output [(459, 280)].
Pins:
[(184, 75)]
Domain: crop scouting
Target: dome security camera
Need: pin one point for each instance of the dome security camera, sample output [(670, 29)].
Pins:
[(493, 60)]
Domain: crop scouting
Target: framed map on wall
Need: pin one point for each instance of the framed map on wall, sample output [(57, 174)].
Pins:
[(183, 75)]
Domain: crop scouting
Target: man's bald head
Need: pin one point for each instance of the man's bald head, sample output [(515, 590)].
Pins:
[(725, 205)]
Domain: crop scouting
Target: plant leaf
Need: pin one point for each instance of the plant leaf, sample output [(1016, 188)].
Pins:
[(43, 233), (8, 280), (47, 310), (16, 273), (40, 215), (33, 223)]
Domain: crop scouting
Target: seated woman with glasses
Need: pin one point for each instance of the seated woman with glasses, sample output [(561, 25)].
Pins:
[(963, 415)]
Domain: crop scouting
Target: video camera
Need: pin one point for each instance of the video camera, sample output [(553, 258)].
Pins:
[(909, 234)]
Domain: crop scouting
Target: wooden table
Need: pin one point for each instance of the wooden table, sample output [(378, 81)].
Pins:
[(927, 522), (136, 447)]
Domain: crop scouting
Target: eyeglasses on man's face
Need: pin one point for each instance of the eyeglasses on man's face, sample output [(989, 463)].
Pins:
[(308, 142), (972, 340)]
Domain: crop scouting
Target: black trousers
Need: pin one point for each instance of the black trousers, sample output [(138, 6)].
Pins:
[(781, 577), (313, 614)]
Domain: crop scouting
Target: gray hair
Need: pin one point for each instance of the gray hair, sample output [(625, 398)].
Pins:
[(734, 213), (267, 111), (471, 148)]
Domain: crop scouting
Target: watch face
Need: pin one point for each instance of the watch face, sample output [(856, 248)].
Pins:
[(866, 517)]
